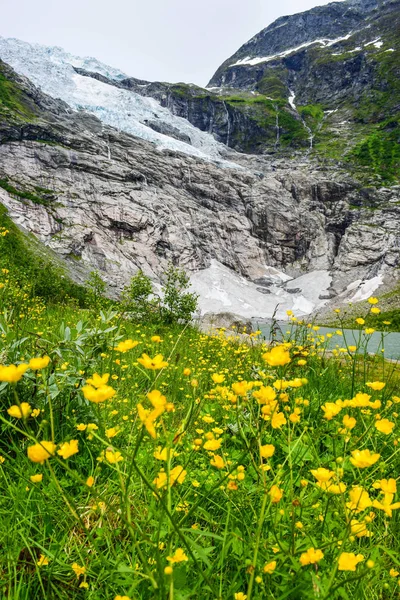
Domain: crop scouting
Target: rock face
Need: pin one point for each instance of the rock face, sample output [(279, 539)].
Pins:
[(107, 200)]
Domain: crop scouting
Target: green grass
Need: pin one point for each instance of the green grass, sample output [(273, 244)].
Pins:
[(12, 99), (240, 520), (34, 268)]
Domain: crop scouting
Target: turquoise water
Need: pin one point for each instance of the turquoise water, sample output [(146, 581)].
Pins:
[(391, 340)]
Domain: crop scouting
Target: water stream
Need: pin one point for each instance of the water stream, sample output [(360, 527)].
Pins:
[(391, 341)]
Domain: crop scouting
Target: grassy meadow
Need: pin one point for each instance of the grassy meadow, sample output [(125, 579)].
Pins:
[(151, 461)]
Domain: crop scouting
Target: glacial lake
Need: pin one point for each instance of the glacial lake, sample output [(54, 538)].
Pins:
[(391, 340)]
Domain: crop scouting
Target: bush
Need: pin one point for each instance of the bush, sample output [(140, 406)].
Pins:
[(178, 304)]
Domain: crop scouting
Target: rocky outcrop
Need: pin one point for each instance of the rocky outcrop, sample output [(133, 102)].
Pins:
[(104, 199)]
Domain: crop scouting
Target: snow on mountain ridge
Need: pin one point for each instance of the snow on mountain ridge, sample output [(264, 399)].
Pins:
[(52, 70)]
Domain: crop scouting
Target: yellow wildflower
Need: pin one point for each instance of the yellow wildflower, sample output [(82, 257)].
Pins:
[(384, 426), (277, 356), (359, 499), (39, 363), (78, 570), (98, 381), (42, 561), (276, 494), (102, 393), (20, 412), (218, 378), (40, 452), (267, 450), (36, 478), (178, 557), (376, 385), (364, 458), (126, 345), (212, 445), (269, 567), (12, 373), (67, 449), (348, 561), (311, 557), (154, 364)]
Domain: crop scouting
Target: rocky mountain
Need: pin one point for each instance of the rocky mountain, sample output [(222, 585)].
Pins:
[(115, 173), (338, 66)]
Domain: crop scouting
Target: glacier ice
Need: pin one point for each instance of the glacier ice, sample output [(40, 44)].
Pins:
[(52, 70)]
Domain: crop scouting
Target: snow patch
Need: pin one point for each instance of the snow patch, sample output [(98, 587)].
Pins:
[(291, 99), (220, 289), (325, 42), (365, 289)]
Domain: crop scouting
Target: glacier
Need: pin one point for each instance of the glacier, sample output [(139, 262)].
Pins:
[(52, 70)]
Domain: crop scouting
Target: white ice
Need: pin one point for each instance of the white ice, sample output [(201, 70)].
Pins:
[(52, 70)]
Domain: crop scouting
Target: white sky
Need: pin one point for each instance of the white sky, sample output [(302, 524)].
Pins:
[(157, 40)]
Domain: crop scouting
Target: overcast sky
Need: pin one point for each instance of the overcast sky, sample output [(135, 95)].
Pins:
[(158, 40)]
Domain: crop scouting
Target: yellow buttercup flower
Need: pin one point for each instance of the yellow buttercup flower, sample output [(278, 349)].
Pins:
[(101, 394), (349, 422), (331, 409), (240, 596), (40, 452), (39, 363), (376, 385), (126, 345), (375, 310), (384, 426), (276, 494), (360, 321), (98, 381), (20, 412), (12, 373), (265, 394), (373, 300), (113, 456), (322, 475), (212, 445), (42, 561), (267, 450), (278, 419), (178, 557), (311, 557), (217, 462), (348, 561), (269, 567), (68, 449), (278, 356), (359, 528), (90, 481), (154, 364), (36, 478), (78, 570), (359, 499), (177, 474), (218, 378), (364, 458)]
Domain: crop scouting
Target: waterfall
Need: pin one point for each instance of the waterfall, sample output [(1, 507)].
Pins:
[(278, 133), (228, 124)]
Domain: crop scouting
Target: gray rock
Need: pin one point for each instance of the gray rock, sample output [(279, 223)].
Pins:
[(226, 320)]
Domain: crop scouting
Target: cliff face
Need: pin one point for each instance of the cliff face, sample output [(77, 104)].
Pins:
[(107, 200)]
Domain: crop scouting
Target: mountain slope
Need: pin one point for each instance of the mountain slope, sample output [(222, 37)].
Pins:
[(338, 66), (107, 200)]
